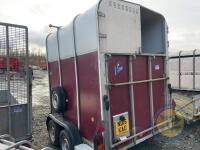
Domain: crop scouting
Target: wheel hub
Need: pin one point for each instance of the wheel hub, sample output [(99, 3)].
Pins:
[(55, 100), (65, 144), (52, 133)]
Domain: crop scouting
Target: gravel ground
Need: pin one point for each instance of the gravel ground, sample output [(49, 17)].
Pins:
[(188, 139), (40, 109)]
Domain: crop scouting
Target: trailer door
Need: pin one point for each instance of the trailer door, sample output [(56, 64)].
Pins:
[(136, 88)]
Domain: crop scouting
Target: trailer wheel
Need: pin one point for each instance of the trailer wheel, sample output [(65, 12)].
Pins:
[(59, 100), (70, 137), (54, 131), (66, 142)]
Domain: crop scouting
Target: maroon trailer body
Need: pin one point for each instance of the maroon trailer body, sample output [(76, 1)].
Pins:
[(108, 77)]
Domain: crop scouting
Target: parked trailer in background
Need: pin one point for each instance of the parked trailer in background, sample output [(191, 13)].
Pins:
[(184, 72), (15, 88), (108, 77)]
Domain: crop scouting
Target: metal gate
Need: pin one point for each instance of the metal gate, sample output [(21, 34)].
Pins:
[(15, 82)]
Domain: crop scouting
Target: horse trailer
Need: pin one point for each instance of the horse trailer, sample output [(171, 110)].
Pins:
[(108, 77)]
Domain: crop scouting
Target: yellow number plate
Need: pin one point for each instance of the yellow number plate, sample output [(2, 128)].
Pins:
[(121, 127)]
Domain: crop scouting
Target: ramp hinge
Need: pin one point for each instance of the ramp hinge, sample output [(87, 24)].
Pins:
[(102, 35), (101, 14)]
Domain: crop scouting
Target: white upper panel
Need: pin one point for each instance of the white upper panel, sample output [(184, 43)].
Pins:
[(66, 41), (86, 31), (52, 47), (121, 25)]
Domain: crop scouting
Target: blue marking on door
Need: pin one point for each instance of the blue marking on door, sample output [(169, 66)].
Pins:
[(118, 68)]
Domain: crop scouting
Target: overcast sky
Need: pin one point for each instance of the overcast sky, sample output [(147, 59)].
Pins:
[(183, 18)]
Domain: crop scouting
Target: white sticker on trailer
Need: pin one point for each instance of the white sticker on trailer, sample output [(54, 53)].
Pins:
[(157, 67)]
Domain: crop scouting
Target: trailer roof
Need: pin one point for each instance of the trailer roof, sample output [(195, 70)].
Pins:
[(136, 4)]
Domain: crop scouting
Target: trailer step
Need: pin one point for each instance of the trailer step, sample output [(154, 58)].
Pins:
[(83, 147), (2, 146)]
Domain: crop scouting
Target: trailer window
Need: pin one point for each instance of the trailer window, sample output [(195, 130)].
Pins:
[(153, 32)]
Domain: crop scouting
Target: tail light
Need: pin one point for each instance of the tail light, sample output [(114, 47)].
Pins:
[(173, 103), (98, 139)]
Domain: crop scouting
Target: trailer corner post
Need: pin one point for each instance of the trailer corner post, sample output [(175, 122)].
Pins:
[(76, 72), (98, 15), (133, 130), (48, 70), (109, 113), (59, 61), (105, 115), (151, 91)]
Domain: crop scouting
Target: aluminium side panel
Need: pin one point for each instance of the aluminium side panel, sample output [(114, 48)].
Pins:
[(86, 36), (66, 41), (53, 60), (66, 44), (69, 84), (86, 31), (52, 48), (90, 112)]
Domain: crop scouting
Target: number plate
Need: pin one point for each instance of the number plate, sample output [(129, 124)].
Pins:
[(121, 125)]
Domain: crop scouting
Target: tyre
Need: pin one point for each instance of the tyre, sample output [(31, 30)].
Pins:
[(59, 100), (54, 132), (70, 137), (66, 142)]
